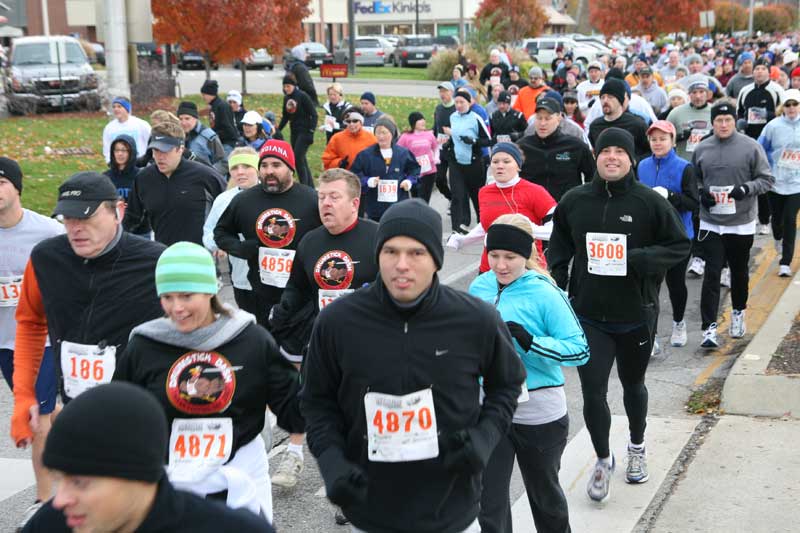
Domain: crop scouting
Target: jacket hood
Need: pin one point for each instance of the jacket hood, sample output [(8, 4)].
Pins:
[(211, 337), (128, 140)]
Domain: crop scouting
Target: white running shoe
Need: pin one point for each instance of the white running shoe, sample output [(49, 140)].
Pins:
[(599, 486), (738, 328), (763, 229), (698, 267), (679, 337), (710, 337), (725, 278), (288, 471), (785, 271)]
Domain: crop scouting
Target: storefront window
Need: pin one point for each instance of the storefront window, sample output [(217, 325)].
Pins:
[(369, 29), (399, 29), (425, 28)]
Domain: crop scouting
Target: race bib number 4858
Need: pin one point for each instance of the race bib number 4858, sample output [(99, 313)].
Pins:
[(275, 266), (401, 428), (607, 254)]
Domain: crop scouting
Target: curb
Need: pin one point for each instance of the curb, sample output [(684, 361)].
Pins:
[(376, 81), (748, 389)]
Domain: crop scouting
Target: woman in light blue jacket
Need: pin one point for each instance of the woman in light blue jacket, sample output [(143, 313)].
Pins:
[(547, 336), (781, 141)]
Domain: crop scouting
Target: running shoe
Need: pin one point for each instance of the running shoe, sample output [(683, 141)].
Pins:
[(737, 329), (636, 471), (763, 229), (785, 271), (340, 518), (698, 267), (679, 336), (288, 471), (599, 486), (710, 337), (725, 278), (656, 348)]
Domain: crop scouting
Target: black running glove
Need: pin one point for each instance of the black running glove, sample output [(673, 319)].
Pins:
[(707, 199), (467, 140), (738, 193), (522, 336)]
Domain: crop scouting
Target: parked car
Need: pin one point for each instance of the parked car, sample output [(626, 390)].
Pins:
[(193, 59), (543, 49), (388, 48), (447, 41), (258, 59), (414, 50), (48, 72), (369, 52), (316, 54)]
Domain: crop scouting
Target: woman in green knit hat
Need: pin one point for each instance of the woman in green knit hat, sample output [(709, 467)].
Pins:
[(215, 371)]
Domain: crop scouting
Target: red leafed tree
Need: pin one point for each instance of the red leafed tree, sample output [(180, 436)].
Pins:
[(225, 30), (522, 18), (646, 17)]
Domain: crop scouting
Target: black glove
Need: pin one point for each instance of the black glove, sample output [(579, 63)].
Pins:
[(345, 482), (467, 140), (458, 452), (344, 162), (707, 199), (684, 134), (738, 193), (522, 336)]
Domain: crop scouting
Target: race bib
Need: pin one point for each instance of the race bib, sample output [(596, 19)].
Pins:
[(757, 115), (275, 266), (85, 366), (725, 204), (443, 138), (198, 447), (424, 164), (401, 428), (369, 129), (327, 296), (695, 137), (10, 289), (790, 158), (387, 190), (504, 138), (607, 254), (494, 80)]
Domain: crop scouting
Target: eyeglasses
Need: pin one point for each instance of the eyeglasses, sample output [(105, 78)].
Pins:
[(791, 104), (353, 121)]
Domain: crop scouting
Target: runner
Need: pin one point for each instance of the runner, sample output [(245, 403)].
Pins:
[(781, 142), (673, 178), (614, 99), (106, 450), (615, 294), (20, 230), (87, 289), (441, 128), (214, 372), (343, 147), (423, 146), (731, 169), (548, 335), (360, 404)]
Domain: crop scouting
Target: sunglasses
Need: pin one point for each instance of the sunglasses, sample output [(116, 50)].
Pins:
[(353, 121), (791, 104)]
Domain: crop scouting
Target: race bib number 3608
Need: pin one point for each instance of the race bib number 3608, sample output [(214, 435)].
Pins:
[(401, 428), (607, 254)]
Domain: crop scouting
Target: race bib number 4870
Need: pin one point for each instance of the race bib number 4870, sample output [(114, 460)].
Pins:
[(401, 428), (607, 254)]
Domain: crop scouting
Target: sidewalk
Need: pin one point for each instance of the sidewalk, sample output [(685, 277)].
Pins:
[(746, 475)]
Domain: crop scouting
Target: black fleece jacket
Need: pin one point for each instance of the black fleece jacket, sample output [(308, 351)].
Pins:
[(303, 116), (633, 124), (656, 240), (366, 343), (222, 121), (558, 162)]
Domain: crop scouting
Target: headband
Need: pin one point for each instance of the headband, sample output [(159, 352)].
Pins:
[(509, 238)]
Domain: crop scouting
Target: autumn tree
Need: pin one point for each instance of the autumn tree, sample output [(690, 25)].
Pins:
[(226, 30), (520, 18), (729, 17), (646, 17)]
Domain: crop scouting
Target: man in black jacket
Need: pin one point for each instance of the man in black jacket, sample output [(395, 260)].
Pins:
[(220, 116), (296, 66), (441, 129), (508, 125), (614, 98), (553, 159), (175, 194), (299, 110), (391, 390), (621, 237), (107, 449)]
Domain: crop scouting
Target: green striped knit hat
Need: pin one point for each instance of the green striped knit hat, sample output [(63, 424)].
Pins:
[(186, 267)]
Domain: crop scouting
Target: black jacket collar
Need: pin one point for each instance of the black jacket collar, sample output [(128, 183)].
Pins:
[(613, 188)]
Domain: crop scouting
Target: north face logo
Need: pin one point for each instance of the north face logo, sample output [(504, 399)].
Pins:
[(626, 218)]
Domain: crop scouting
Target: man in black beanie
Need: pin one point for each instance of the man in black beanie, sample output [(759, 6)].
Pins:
[(399, 362), (300, 112), (614, 102), (621, 237), (220, 116), (106, 451)]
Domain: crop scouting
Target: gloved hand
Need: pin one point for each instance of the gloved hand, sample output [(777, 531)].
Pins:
[(738, 193), (707, 199), (345, 482), (521, 335), (345, 162), (662, 191), (467, 140), (372, 182), (458, 452), (455, 241), (405, 185)]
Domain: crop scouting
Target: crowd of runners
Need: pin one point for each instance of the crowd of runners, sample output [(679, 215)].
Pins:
[(147, 399)]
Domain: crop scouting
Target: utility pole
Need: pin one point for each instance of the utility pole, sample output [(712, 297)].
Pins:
[(750, 19), (116, 33), (416, 20), (461, 30), (45, 18), (351, 45)]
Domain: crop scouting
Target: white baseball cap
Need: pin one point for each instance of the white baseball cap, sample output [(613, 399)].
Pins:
[(252, 118)]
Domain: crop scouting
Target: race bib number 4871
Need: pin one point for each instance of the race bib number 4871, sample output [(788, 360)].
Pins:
[(607, 254), (198, 447), (401, 428)]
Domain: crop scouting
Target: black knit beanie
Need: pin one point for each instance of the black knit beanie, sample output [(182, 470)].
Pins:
[(188, 108), (615, 88), (9, 169), (116, 430), (210, 87), (722, 108), (415, 219), (414, 117), (616, 137), (289, 79)]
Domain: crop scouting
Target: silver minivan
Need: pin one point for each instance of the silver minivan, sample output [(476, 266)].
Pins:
[(369, 52)]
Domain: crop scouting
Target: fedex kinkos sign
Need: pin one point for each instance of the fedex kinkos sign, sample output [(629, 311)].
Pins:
[(385, 8)]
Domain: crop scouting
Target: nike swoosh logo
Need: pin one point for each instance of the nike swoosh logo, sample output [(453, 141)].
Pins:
[(441, 352), (642, 343), (87, 211)]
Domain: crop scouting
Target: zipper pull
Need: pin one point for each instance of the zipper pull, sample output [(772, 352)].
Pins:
[(405, 327)]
